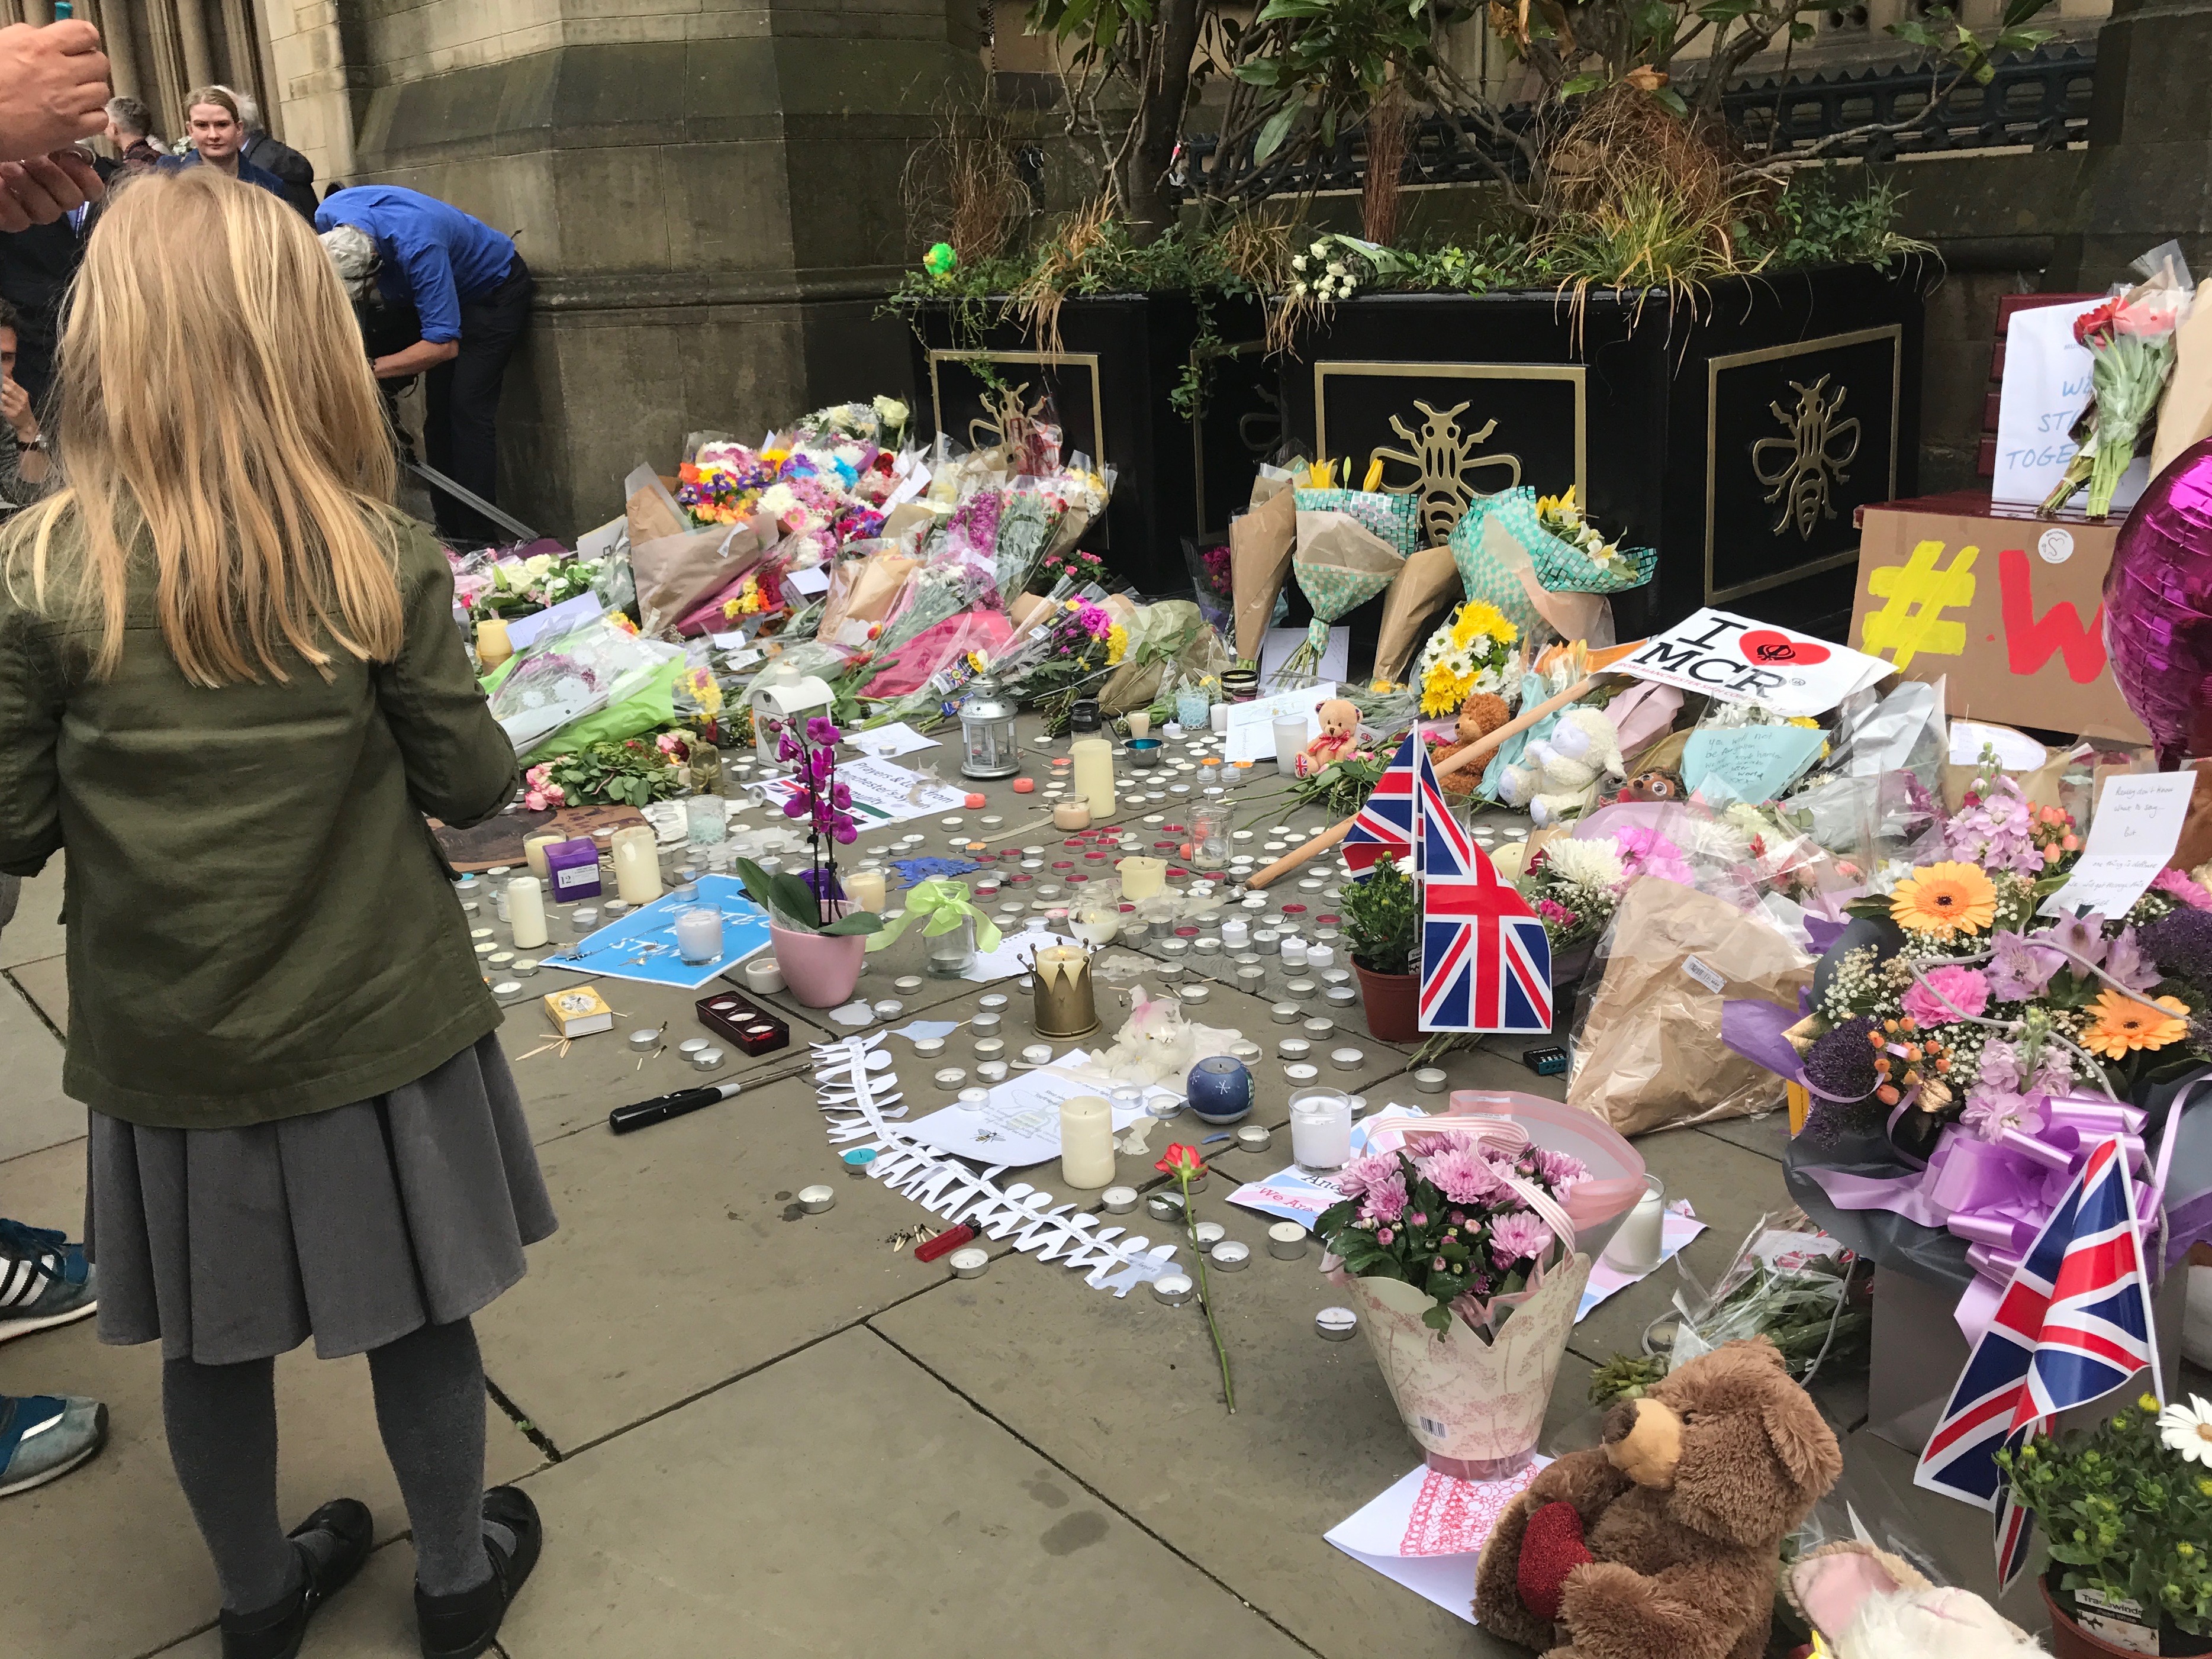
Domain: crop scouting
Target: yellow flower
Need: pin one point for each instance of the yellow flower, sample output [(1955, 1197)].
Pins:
[(1943, 899), (1480, 616), (1444, 692), (2125, 1024), (1117, 644)]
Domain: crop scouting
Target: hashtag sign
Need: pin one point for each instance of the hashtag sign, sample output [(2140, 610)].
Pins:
[(1918, 594)]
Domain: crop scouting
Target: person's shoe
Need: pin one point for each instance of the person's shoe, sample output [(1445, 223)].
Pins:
[(44, 1279), (462, 1626), (43, 1436), (331, 1544)]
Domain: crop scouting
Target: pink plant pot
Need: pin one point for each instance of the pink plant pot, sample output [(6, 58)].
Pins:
[(821, 970)]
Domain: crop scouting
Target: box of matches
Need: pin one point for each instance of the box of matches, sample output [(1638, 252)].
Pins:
[(579, 1012)]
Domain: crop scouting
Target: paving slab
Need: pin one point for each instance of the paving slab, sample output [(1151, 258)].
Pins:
[(34, 1113), (36, 931), (1126, 1396), (1767, 1134), (134, 1574), (857, 1506), (46, 982), (373, 1618)]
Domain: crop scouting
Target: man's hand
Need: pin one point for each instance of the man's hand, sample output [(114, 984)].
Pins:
[(53, 88), (39, 192), (16, 409)]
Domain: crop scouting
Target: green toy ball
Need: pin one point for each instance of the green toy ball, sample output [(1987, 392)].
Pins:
[(940, 261)]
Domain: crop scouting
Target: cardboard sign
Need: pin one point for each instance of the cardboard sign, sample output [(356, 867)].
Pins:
[(1741, 659), (2008, 612)]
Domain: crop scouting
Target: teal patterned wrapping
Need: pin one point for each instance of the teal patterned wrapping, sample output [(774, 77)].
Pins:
[(1396, 518)]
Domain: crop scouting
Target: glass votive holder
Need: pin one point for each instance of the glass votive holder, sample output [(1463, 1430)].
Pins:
[(706, 819), (699, 932)]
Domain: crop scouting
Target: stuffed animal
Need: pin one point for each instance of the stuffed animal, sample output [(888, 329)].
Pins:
[(1340, 736), (1663, 1542), (1869, 1604), (1483, 713), (1559, 776), (1651, 786)]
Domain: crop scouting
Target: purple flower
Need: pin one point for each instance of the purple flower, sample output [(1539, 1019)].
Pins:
[(842, 796), (1991, 1111), (1518, 1236), (2082, 939), (2019, 969), (1385, 1200), (1560, 1171), (1841, 1062), (2126, 961), (820, 729), (2180, 942), (1357, 1177), (1384, 1237), (1943, 995), (785, 748), (1462, 1176), (795, 807)]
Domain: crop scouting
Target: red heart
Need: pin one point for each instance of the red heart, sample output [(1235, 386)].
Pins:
[(1770, 647), (1551, 1547)]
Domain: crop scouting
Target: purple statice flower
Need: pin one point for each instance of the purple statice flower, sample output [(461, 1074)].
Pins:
[(2126, 961), (2019, 969), (2180, 943), (1385, 1199), (1518, 1236), (1462, 1176), (1841, 1061), (1943, 995), (1560, 1170), (2082, 939)]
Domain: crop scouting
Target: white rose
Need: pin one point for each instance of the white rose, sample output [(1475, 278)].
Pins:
[(1320, 250), (1299, 261), (1336, 267), (538, 564), (892, 412)]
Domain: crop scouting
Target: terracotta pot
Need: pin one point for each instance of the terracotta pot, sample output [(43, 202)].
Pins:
[(1393, 1003), (2069, 1641), (821, 969)]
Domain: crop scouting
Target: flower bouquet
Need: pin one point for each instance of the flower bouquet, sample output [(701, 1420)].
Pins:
[(1458, 1236), (511, 588), (1574, 886), (1572, 556), (1061, 657), (2131, 340), (626, 774), (1473, 651)]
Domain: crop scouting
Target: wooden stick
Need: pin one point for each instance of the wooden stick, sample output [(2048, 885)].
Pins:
[(1479, 749)]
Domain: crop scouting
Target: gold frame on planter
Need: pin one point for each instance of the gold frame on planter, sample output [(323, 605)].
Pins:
[(1088, 360), (1893, 332)]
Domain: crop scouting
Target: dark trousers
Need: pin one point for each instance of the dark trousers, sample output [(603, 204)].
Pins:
[(462, 405)]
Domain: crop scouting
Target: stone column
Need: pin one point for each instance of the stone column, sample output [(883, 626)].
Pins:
[(113, 19), (192, 39)]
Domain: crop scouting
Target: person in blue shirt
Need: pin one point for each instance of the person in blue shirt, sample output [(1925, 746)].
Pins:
[(471, 291), (218, 135)]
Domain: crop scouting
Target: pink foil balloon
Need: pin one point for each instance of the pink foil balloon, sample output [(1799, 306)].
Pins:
[(2158, 608)]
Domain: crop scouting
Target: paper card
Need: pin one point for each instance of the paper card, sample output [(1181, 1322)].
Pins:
[(1019, 1124), (1747, 762), (1427, 1531), (643, 944), (1252, 725), (2015, 750), (915, 481), (1741, 659), (883, 741), (882, 793), (557, 619), (2135, 827), (814, 579), (1275, 648), (1678, 1228), (598, 544), (2047, 383)]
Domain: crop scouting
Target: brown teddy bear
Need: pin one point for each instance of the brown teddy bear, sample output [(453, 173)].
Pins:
[(1665, 1542), (1482, 714)]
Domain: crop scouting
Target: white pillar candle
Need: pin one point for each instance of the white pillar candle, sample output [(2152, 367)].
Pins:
[(526, 912), (1141, 878), (865, 889), (1321, 1131), (637, 865), (1094, 773), (1141, 724), (1290, 733), (533, 852), (1086, 1141)]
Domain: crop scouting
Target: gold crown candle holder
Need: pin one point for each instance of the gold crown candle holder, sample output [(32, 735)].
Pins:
[(1066, 1005)]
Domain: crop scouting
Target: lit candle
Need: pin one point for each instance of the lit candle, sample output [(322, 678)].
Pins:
[(533, 853), (637, 865), (525, 911), (1086, 1141), (699, 934), (1094, 773), (865, 889)]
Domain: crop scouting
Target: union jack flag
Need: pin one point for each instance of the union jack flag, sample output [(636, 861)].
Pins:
[(1485, 962), (1384, 826), (2075, 1324)]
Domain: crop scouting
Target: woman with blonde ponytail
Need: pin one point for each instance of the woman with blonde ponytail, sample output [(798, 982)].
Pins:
[(231, 687)]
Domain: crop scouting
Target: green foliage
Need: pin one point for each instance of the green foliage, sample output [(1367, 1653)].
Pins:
[(2123, 1513), (791, 902), (1333, 57), (1625, 1377), (626, 774), (1382, 920), (1938, 29), (1817, 222)]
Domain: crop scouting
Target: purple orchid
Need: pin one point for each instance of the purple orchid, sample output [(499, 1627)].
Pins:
[(2126, 961), (2082, 939)]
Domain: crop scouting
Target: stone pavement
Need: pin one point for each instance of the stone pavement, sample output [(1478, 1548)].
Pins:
[(754, 1431)]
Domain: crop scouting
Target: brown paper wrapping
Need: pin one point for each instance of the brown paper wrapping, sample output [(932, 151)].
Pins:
[(1429, 578), (1338, 539), (1261, 543), (652, 511), (1585, 616), (2184, 413), (863, 591), (1649, 1053), (675, 572)]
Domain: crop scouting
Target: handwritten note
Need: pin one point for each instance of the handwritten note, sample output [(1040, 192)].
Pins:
[(2137, 825), (1746, 763), (2046, 386), (1252, 725)]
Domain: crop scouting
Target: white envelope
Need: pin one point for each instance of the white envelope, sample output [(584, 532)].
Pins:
[(1412, 1532)]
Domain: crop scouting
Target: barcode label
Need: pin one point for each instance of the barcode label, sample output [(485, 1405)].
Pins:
[(1705, 976), (1430, 1426)]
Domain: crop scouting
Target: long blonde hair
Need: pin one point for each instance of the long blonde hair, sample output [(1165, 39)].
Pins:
[(218, 412)]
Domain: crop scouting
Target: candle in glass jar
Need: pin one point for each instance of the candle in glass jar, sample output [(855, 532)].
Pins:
[(525, 911), (865, 889), (1321, 1131), (699, 934), (637, 865), (1086, 1141)]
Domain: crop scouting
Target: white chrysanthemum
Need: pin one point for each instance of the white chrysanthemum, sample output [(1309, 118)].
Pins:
[(2188, 1430), (1593, 863)]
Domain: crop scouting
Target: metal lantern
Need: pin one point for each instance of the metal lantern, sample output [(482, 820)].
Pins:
[(987, 733), (782, 700)]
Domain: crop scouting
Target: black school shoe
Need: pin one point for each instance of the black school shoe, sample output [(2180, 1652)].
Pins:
[(276, 1632), (462, 1626)]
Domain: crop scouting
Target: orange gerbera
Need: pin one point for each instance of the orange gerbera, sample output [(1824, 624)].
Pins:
[(2125, 1024), (1943, 899)]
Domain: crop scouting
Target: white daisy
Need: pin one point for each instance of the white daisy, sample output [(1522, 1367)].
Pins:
[(2188, 1430)]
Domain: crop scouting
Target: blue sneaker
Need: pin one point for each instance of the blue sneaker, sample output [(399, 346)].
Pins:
[(44, 1281), (43, 1436)]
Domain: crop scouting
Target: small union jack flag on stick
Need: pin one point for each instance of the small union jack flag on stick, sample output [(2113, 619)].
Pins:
[(1384, 826), (1485, 959)]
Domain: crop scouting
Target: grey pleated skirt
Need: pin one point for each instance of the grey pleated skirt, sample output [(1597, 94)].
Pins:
[(354, 1225)]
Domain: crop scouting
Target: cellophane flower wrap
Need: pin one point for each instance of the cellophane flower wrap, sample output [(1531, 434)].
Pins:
[(2130, 338)]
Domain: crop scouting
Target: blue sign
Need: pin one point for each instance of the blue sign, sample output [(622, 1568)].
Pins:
[(642, 946)]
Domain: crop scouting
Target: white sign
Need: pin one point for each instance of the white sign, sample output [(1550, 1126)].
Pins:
[(815, 579), (555, 619), (2136, 830), (884, 742), (1741, 659), (2046, 386), (1019, 1124), (1252, 725)]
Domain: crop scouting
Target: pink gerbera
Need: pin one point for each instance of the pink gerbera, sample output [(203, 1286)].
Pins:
[(2189, 892), (1517, 1237)]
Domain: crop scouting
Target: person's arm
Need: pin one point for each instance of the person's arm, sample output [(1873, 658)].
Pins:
[(423, 353), (30, 731), (460, 767), (437, 301)]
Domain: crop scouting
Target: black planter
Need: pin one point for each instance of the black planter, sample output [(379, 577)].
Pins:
[(1684, 428), (1112, 383)]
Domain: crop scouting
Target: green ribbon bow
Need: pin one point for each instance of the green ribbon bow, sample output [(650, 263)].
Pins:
[(942, 902)]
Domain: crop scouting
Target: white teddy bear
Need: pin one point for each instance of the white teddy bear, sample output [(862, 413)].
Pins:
[(1557, 776)]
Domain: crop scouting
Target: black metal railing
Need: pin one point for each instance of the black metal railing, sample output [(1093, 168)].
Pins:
[(2040, 100)]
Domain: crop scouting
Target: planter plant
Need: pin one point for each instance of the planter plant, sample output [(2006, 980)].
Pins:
[(819, 938), (2126, 1509), (1383, 930)]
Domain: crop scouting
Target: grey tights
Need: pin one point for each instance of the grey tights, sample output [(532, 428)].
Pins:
[(221, 1425)]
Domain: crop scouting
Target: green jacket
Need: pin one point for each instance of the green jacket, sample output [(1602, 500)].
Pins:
[(259, 923)]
